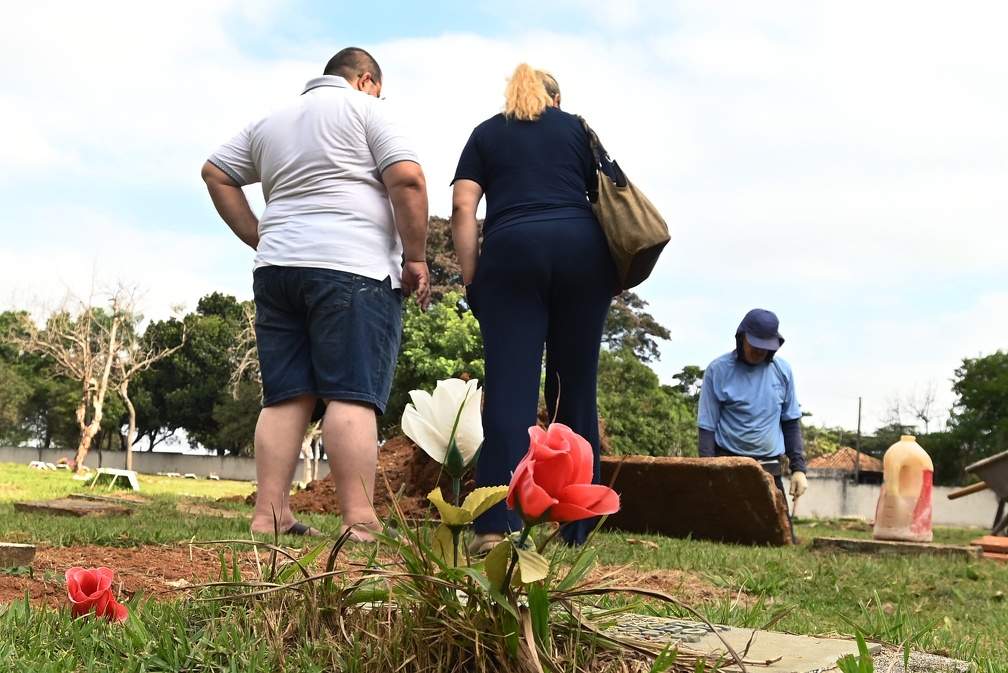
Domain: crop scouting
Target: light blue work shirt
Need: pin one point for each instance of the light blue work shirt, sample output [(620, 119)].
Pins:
[(744, 405)]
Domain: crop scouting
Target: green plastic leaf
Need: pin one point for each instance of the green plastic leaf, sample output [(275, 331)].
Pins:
[(450, 514), (532, 565), (483, 499), (443, 545), (496, 564)]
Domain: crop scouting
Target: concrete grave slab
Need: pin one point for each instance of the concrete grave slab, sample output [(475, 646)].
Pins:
[(766, 651), (893, 547), (722, 499), (13, 555), (69, 507)]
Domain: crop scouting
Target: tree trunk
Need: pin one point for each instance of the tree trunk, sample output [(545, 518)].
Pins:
[(131, 428)]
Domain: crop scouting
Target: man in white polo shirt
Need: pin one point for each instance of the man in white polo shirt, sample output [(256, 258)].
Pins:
[(341, 241)]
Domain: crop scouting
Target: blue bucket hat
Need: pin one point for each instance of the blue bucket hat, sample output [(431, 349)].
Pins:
[(761, 329)]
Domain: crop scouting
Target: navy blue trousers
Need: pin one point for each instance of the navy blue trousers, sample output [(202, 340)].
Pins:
[(539, 285)]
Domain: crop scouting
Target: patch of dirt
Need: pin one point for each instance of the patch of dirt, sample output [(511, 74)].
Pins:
[(164, 571), (157, 571)]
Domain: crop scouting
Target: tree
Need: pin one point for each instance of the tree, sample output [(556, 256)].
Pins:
[(632, 328), (688, 384), (823, 441), (918, 405), (15, 392), (134, 356), (182, 390), (83, 342), (641, 416), (442, 343), (979, 417)]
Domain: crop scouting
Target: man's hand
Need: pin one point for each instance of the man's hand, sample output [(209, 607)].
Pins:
[(415, 276), (799, 484)]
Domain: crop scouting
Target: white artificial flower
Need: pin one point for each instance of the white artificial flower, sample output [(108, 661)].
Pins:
[(447, 425)]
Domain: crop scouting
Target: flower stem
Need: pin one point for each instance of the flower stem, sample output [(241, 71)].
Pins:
[(525, 531), (456, 491)]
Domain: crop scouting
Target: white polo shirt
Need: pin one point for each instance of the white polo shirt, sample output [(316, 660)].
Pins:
[(320, 161)]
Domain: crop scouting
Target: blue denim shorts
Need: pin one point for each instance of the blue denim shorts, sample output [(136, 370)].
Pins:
[(330, 333)]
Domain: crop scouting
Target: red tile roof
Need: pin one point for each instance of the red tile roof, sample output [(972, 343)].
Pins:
[(844, 460)]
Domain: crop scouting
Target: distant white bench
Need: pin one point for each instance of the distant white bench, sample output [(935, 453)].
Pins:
[(112, 475)]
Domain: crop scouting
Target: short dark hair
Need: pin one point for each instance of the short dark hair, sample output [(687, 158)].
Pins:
[(352, 62)]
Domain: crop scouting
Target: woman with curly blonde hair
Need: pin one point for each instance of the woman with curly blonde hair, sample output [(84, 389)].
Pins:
[(543, 277)]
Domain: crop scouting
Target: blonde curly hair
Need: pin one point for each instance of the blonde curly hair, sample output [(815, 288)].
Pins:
[(529, 92)]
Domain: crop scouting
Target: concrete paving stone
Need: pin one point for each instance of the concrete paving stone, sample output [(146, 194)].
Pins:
[(767, 651), (68, 507), (883, 547)]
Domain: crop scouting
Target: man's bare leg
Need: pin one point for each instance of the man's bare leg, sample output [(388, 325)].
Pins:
[(350, 437), (278, 436)]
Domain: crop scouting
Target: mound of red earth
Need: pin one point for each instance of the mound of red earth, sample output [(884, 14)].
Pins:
[(405, 474)]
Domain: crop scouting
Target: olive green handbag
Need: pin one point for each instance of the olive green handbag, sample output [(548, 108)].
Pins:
[(636, 231)]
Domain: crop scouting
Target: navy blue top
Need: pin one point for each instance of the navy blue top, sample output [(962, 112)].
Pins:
[(530, 170)]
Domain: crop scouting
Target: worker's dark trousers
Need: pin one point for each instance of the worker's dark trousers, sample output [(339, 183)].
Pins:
[(539, 284)]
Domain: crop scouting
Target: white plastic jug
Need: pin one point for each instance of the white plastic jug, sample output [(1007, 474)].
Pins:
[(904, 506)]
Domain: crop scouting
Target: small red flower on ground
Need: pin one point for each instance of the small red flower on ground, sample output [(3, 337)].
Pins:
[(90, 591)]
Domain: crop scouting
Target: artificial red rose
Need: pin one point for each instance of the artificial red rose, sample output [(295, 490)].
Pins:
[(553, 482), (90, 590)]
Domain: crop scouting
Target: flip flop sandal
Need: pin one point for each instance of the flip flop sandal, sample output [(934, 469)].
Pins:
[(298, 528)]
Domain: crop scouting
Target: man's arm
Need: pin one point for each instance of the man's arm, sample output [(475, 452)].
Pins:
[(708, 415), (794, 445), (705, 443), (231, 204), (407, 189)]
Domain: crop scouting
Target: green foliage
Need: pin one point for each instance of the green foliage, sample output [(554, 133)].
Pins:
[(884, 595), (442, 343), (15, 391), (862, 664), (183, 390), (236, 416), (642, 416), (824, 441), (979, 417), (630, 327)]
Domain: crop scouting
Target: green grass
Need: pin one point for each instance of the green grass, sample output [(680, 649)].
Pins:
[(953, 607)]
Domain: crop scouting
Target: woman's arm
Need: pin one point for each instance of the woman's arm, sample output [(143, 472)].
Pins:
[(466, 196)]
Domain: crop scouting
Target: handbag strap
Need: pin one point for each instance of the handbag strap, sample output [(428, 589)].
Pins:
[(604, 164), (593, 141)]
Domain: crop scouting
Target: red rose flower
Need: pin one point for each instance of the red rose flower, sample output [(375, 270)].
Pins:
[(553, 482), (90, 590)]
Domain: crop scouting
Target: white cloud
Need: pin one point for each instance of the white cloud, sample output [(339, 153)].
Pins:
[(841, 164)]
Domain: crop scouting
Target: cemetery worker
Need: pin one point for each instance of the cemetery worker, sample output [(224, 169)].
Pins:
[(542, 279), (748, 405), (341, 241)]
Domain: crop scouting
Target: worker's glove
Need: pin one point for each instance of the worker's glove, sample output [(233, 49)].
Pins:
[(799, 483)]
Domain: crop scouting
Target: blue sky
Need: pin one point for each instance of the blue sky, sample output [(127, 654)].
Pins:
[(842, 164)]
